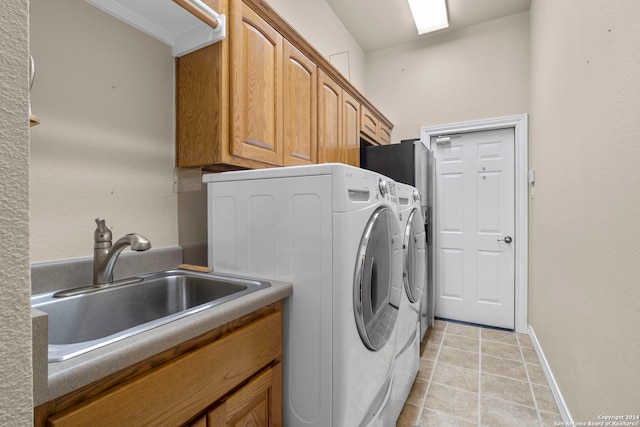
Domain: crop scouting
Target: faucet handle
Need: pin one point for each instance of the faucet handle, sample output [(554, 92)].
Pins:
[(102, 233)]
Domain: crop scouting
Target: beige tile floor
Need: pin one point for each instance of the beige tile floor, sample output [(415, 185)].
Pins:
[(472, 376)]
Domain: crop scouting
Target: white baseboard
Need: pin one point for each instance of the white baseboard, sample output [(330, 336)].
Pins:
[(557, 395)]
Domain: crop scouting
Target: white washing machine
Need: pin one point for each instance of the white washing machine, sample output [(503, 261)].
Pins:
[(407, 350), (332, 231)]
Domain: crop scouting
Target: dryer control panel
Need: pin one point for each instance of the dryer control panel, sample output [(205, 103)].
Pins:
[(387, 189)]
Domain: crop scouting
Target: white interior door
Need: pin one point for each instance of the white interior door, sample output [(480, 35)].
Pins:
[(474, 228)]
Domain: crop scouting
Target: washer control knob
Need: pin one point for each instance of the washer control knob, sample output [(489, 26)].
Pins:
[(416, 195), (383, 184)]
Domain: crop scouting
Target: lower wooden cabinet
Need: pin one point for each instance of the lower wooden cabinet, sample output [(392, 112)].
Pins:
[(255, 404), (234, 379)]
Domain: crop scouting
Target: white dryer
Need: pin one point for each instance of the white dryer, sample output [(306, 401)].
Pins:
[(331, 230), (407, 350)]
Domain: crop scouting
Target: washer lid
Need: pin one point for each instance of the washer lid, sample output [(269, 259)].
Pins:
[(413, 246), (375, 298)]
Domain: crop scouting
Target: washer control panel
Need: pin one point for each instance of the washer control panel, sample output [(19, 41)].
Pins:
[(383, 185), (387, 189)]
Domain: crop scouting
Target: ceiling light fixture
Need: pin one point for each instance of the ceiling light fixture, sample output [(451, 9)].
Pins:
[(429, 15)]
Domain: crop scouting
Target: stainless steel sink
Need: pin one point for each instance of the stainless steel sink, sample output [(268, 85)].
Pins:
[(84, 322)]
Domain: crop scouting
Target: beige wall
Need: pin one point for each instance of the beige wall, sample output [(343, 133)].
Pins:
[(319, 25), (15, 313), (104, 92), (473, 73), (585, 250)]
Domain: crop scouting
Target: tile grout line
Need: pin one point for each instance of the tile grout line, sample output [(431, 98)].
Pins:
[(426, 391), (511, 402), (480, 377), (507, 359), (533, 395), (509, 378)]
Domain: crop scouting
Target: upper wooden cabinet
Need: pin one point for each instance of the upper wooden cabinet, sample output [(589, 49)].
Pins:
[(256, 88), (329, 119), (369, 124), (374, 129), (384, 134), (350, 143), (229, 112), (202, 104), (338, 123), (300, 108), (252, 100)]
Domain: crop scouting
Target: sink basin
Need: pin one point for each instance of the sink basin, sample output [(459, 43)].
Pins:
[(87, 321)]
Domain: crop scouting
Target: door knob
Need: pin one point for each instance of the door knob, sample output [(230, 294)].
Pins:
[(507, 239)]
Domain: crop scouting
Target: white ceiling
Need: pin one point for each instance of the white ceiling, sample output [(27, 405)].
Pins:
[(379, 24)]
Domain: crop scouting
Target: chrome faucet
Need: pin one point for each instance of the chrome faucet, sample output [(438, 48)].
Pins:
[(105, 254)]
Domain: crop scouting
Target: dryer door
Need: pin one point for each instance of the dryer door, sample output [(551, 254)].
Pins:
[(414, 246), (376, 294)]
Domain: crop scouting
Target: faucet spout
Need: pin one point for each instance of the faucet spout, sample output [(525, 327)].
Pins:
[(105, 254), (136, 241)]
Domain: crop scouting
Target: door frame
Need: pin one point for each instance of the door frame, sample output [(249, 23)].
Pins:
[(519, 123)]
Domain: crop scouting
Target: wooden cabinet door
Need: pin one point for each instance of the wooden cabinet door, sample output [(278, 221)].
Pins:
[(256, 88), (300, 108), (256, 404), (350, 147), (199, 422), (385, 135), (369, 124), (329, 119)]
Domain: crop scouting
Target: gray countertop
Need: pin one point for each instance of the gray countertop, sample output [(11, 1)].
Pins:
[(72, 374)]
